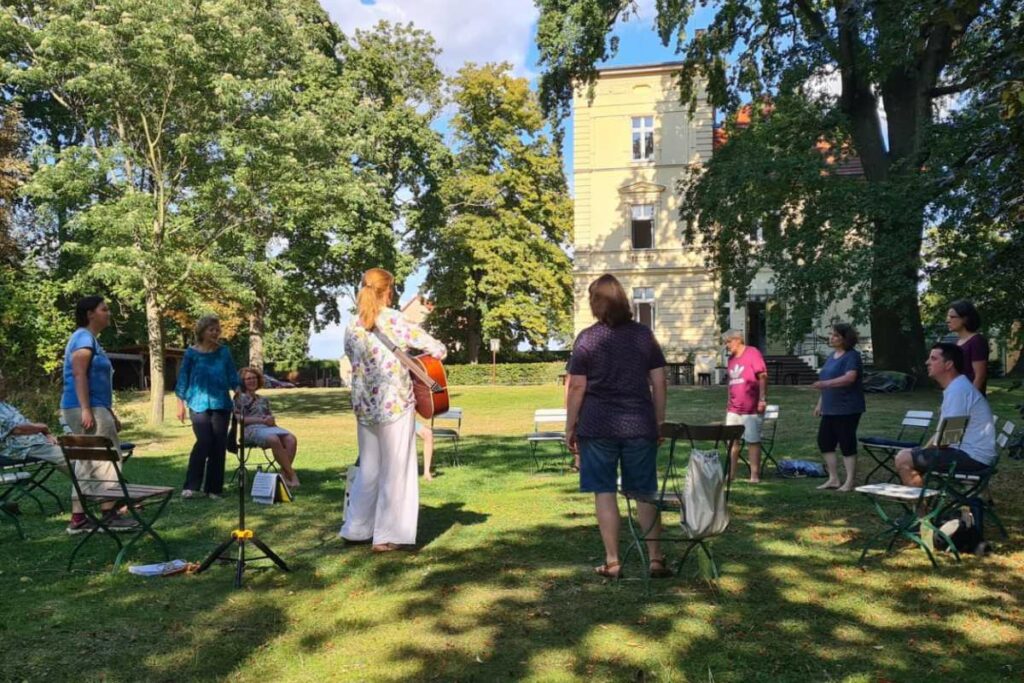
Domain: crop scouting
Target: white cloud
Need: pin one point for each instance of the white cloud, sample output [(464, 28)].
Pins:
[(465, 30)]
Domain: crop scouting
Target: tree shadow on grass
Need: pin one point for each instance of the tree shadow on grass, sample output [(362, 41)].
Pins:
[(775, 616)]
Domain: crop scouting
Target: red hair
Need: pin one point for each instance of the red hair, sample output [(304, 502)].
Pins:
[(377, 285)]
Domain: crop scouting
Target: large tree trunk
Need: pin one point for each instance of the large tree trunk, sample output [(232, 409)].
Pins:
[(897, 336), (155, 332), (256, 330), (473, 341)]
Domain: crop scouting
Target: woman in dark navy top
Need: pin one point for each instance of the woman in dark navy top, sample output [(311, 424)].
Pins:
[(614, 404), (840, 405)]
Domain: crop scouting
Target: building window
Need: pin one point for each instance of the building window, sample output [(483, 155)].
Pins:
[(642, 225), (643, 138), (643, 305)]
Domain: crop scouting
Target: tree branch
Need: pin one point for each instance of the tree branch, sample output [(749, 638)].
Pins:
[(814, 18)]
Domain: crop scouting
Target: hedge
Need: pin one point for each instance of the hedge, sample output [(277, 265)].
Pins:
[(505, 373)]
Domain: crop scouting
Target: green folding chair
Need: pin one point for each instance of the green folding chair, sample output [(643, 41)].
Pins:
[(769, 426), (452, 432), (670, 496), (94, 494), (918, 508)]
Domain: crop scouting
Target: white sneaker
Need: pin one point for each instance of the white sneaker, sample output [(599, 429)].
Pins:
[(187, 493)]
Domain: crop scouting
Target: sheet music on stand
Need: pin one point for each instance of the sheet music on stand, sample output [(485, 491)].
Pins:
[(269, 488)]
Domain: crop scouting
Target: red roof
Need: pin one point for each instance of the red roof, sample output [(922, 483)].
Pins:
[(845, 163)]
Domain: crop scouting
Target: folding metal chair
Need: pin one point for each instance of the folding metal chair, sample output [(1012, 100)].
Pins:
[(13, 476), (670, 494), (964, 486), (920, 506), (449, 433), (27, 478), (547, 416), (769, 425), (882, 449), (94, 493)]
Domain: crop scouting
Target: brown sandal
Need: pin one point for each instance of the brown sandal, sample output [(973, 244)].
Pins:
[(609, 570), (386, 547), (658, 570)]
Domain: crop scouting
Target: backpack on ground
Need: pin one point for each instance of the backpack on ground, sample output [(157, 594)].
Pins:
[(965, 528), (794, 469)]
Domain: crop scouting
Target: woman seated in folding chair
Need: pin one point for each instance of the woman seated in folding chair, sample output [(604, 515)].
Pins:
[(614, 404), (22, 440), (261, 428)]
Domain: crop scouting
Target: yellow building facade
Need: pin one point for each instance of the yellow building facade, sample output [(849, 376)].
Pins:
[(632, 140)]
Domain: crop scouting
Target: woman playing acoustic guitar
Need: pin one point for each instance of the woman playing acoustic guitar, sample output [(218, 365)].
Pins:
[(384, 501)]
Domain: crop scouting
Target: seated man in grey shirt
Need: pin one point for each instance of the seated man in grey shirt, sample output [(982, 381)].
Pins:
[(977, 449)]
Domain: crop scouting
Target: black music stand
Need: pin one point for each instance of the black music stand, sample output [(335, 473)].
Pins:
[(241, 536)]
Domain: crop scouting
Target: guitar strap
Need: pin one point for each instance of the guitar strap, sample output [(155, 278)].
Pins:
[(406, 360)]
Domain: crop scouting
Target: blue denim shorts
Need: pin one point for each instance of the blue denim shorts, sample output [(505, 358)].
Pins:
[(600, 460)]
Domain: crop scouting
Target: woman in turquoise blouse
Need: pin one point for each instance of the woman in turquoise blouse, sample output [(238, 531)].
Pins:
[(206, 376)]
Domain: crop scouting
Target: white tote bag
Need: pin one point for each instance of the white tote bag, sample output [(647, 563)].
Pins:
[(704, 496)]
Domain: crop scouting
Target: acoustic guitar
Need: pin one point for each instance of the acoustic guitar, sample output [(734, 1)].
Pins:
[(429, 382), (429, 386)]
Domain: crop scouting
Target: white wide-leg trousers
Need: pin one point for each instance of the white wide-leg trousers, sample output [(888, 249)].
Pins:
[(385, 497)]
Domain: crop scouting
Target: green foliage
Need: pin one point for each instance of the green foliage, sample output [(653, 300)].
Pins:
[(243, 158), (901, 55), (975, 248), (288, 348), (505, 373), (13, 168), (499, 267), (33, 328), (770, 198)]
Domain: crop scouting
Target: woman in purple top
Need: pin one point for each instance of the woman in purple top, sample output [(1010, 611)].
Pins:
[(963, 320), (614, 404)]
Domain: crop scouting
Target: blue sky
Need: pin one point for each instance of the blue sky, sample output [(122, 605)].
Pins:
[(483, 32)]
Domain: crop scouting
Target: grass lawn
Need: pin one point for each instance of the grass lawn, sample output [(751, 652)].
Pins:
[(502, 588)]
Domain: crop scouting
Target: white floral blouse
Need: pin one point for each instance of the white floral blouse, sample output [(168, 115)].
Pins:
[(381, 388)]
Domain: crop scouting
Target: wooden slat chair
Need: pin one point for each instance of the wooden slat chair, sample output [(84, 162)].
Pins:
[(919, 506), (882, 449), (92, 493), (449, 433), (966, 485), (670, 496), (768, 429), (545, 417)]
